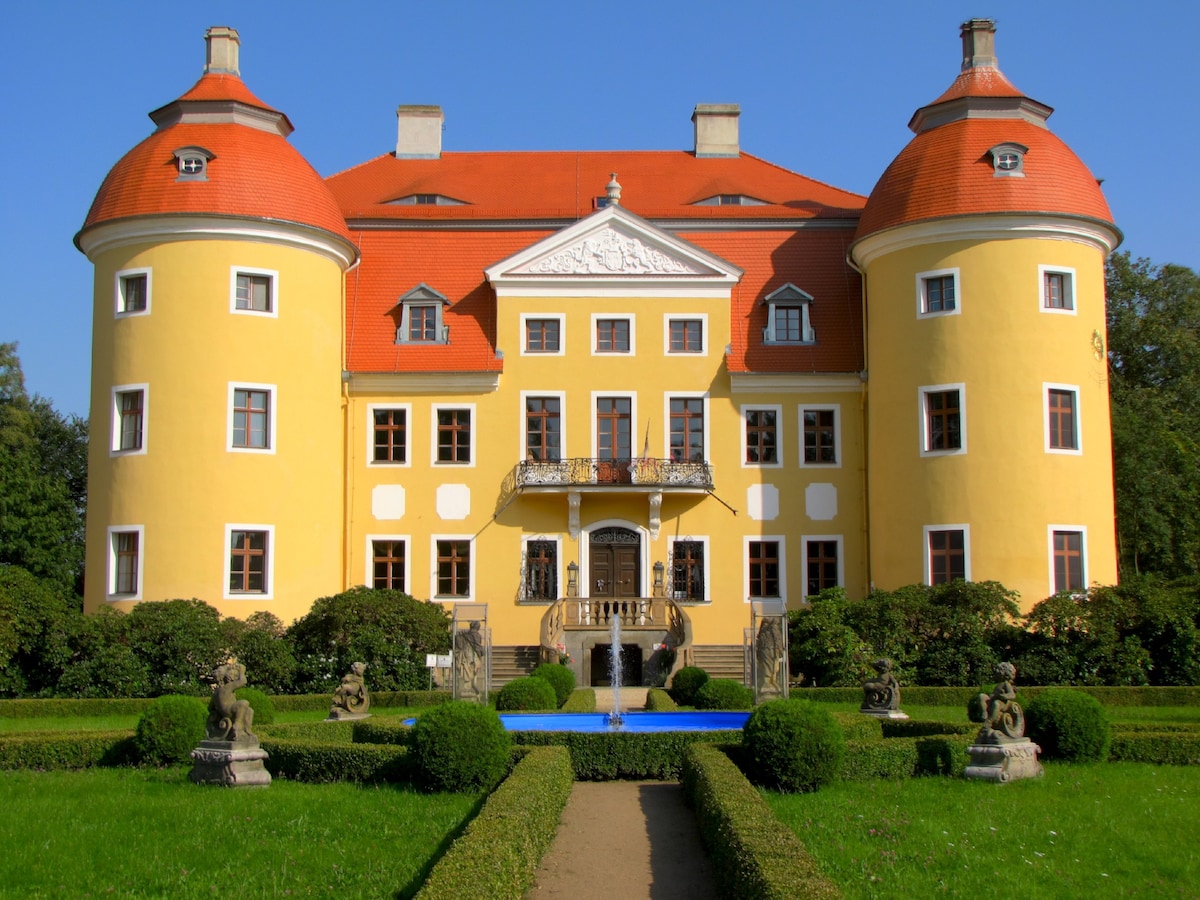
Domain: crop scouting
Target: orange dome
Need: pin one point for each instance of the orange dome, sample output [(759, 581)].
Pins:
[(251, 170)]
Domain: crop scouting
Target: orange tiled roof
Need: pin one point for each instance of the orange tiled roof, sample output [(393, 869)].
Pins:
[(564, 185), (979, 81), (947, 171), (254, 173)]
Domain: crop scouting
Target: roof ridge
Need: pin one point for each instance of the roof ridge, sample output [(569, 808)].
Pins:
[(365, 162), (825, 184)]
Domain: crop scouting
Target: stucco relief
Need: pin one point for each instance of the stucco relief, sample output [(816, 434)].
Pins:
[(610, 252)]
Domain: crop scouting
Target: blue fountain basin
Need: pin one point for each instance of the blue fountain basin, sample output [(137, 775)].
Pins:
[(631, 721)]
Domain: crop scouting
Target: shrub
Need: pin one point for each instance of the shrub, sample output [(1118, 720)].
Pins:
[(658, 700), (685, 684), (318, 762), (1069, 725), (264, 709), (47, 751), (561, 679), (724, 693), (460, 746), (627, 755), (170, 729), (581, 700), (526, 693), (793, 745)]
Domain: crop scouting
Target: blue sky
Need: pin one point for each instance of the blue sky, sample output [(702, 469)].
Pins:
[(826, 89)]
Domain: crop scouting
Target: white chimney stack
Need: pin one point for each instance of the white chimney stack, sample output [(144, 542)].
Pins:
[(221, 57), (716, 128), (419, 132)]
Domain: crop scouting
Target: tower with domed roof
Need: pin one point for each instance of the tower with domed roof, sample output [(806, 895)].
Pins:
[(983, 249), (219, 256)]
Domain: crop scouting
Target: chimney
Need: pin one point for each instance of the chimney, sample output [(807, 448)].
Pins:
[(221, 57), (419, 132), (979, 43), (716, 127)]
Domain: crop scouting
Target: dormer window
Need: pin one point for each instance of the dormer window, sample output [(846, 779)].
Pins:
[(1008, 160), (192, 163), (730, 200), (426, 200), (421, 317), (788, 320)]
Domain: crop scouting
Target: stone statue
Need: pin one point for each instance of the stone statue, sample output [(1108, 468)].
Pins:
[(229, 719), (768, 654), (468, 661), (351, 699), (884, 692), (999, 711)]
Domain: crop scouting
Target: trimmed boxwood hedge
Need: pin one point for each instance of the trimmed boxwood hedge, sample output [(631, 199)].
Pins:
[(318, 762), (898, 728), (264, 709), (497, 856), (581, 700), (753, 855), (607, 756), (323, 732), (460, 746), (724, 693), (917, 695), (170, 728), (1068, 725), (857, 727), (905, 757), (1168, 748), (49, 750), (381, 731), (527, 694), (686, 682), (658, 700), (561, 678)]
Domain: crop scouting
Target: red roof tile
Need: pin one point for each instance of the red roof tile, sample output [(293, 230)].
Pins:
[(223, 87), (979, 81)]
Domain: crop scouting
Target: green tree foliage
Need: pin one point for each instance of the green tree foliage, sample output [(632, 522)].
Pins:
[(388, 630), (180, 642), (1154, 371), (43, 481), (103, 664), (35, 619), (823, 648), (259, 644)]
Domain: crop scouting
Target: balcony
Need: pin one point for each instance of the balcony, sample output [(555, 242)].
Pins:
[(635, 475)]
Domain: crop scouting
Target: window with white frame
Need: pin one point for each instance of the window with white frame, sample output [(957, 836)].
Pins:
[(1062, 418), (543, 430), (249, 561), (612, 334), (542, 334), (938, 293), (687, 428), (1008, 160), (765, 569), (686, 335), (943, 419), (251, 427), (820, 435), (125, 543), (762, 436), (1068, 558), (947, 553), (789, 318), (823, 563), (387, 562), (192, 163), (453, 428), (454, 567), (129, 403), (254, 292), (388, 434), (421, 319), (132, 292), (540, 570), (688, 572), (1056, 290)]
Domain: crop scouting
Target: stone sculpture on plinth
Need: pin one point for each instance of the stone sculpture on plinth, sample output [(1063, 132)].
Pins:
[(881, 697), (229, 755), (1001, 751), (351, 700)]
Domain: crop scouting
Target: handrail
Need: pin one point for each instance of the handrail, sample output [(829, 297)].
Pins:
[(552, 630), (585, 470)]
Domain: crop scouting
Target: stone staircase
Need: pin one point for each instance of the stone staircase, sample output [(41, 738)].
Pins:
[(513, 662), (721, 660)]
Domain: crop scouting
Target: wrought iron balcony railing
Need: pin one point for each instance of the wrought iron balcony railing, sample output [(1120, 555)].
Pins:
[(581, 471)]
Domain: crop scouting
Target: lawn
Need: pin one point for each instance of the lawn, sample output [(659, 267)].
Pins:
[(151, 833), (129, 722), (1104, 830)]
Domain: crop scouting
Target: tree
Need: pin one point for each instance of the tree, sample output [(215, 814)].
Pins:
[(43, 481), (1154, 371), (35, 620)]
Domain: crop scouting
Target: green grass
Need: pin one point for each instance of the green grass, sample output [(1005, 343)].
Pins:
[(117, 723), (151, 833), (1107, 830)]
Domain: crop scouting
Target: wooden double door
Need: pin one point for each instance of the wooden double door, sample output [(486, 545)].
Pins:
[(615, 555)]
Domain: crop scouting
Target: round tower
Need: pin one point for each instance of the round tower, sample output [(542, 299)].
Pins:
[(983, 249), (216, 448)]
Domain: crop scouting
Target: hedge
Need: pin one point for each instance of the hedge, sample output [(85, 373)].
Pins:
[(379, 700), (906, 757), (753, 854), (606, 756), (1156, 727), (323, 732), (958, 696), (316, 762), (1168, 748), (857, 727), (134, 706), (48, 750), (381, 731), (498, 855), (658, 700), (581, 700), (899, 728)]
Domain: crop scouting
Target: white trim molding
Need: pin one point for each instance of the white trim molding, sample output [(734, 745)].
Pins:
[(925, 551), (114, 441), (110, 591), (783, 583), (702, 318), (1076, 420), (1081, 530), (1069, 282), (406, 539), (119, 281), (268, 592), (372, 408), (805, 540), (780, 442), (272, 411), (272, 276), (472, 585), (923, 279), (923, 393)]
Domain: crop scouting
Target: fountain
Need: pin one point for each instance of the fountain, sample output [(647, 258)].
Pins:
[(614, 718)]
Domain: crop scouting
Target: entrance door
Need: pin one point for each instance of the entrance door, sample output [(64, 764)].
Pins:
[(615, 555)]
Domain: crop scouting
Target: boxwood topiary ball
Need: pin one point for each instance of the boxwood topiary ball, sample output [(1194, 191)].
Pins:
[(561, 679), (527, 694), (793, 745), (460, 746), (685, 684), (724, 693), (170, 728), (1068, 725), (264, 709)]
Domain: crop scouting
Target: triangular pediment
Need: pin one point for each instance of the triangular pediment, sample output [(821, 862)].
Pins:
[(614, 249)]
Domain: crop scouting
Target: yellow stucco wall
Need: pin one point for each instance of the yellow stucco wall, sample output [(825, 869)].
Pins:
[(1004, 349), (187, 486)]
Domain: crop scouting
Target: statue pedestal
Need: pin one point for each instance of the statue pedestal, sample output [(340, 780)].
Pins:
[(337, 714), (1003, 760), (230, 763), (884, 713)]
